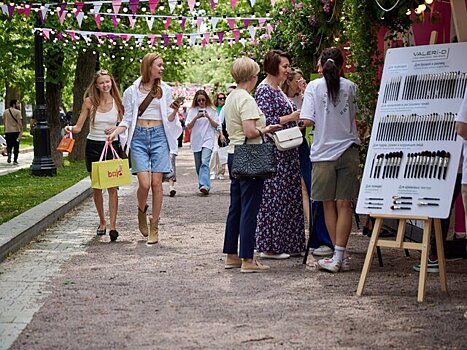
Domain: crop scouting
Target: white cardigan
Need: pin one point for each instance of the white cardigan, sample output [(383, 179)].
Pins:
[(172, 129)]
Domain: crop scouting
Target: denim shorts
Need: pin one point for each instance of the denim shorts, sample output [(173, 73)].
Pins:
[(150, 150)]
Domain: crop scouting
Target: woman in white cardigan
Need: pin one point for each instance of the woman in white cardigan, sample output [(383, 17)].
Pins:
[(152, 136)]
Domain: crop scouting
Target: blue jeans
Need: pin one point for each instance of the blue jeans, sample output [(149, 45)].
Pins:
[(245, 200), (202, 160)]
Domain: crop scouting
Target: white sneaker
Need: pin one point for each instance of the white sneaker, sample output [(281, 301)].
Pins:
[(346, 264), (274, 256), (221, 177), (323, 250), (329, 265), (172, 191), (213, 176)]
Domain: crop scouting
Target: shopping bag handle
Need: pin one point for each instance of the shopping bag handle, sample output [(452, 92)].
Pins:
[(108, 144)]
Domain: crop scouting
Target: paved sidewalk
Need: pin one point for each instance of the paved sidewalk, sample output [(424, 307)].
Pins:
[(24, 161), (72, 290)]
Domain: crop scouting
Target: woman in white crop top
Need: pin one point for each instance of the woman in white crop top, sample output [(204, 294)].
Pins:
[(152, 136), (103, 105)]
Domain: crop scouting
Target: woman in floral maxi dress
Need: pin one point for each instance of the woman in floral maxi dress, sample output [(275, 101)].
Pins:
[(280, 228)]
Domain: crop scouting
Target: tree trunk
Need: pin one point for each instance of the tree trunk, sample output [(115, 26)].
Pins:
[(53, 91), (85, 70)]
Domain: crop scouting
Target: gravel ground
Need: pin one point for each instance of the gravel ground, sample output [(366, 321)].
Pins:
[(177, 295)]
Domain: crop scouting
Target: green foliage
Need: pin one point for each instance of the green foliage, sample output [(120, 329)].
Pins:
[(303, 30), (16, 187)]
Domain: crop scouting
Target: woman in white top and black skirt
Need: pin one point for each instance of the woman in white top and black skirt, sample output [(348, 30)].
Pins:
[(103, 105)]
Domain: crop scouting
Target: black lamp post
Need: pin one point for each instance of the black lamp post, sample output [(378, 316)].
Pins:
[(42, 164)]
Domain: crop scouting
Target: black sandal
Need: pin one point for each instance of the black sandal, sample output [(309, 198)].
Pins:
[(101, 232), (113, 235)]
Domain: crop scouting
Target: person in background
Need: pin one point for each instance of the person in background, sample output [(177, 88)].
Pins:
[(329, 103), (12, 119), (202, 120), (245, 121), (280, 231), (294, 87), (103, 105), (217, 170), (152, 136)]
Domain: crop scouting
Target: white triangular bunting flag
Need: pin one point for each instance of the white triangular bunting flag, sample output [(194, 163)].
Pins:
[(172, 4), (252, 31), (150, 21), (192, 39), (85, 36), (97, 8), (79, 18), (252, 3), (214, 21), (139, 40), (5, 9), (43, 12)]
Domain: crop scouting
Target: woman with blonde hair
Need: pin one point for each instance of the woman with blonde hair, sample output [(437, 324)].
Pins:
[(153, 129), (103, 105), (202, 120), (245, 121)]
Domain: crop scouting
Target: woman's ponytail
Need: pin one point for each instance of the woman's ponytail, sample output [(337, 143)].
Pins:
[(332, 61)]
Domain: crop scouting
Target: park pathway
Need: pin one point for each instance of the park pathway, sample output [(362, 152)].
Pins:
[(71, 290)]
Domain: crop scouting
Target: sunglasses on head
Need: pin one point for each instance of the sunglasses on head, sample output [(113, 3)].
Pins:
[(102, 72)]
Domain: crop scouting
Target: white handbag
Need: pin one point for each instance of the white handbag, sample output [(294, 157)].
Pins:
[(288, 138)]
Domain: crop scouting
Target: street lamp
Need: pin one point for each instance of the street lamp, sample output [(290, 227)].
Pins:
[(42, 164)]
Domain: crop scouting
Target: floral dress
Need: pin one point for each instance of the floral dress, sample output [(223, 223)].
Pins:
[(280, 227)]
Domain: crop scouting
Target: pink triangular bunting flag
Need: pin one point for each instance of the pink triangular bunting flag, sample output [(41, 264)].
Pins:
[(79, 7), (191, 4), (61, 17), (167, 23), (165, 39), (46, 33), (220, 35), (213, 5), (72, 35), (261, 22), (97, 18), (231, 22), (132, 20), (233, 3), (179, 38), (273, 2), (246, 22), (153, 5), (116, 6), (11, 9), (236, 34)]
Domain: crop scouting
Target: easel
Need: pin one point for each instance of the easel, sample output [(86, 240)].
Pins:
[(399, 243)]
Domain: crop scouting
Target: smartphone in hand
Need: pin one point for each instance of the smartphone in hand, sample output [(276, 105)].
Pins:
[(180, 100)]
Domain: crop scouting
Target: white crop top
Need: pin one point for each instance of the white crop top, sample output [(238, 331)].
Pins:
[(153, 112), (103, 121)]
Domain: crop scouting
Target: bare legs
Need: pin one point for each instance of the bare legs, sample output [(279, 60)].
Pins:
[(151, 181), (338, 218), (464, 201), (113, 207)]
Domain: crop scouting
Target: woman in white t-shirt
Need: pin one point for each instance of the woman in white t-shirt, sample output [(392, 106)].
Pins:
[(329, 103), (203, 121), (103, 105)]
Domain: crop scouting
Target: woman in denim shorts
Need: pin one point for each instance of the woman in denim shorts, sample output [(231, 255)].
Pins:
[(152, 136), (329, 103)]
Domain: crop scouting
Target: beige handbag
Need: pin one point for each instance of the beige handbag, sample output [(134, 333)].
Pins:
[(287, 139)]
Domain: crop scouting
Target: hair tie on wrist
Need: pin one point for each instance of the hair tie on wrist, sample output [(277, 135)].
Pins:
[(330, 60)]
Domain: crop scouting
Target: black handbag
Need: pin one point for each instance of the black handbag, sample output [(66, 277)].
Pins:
[(254, 160)]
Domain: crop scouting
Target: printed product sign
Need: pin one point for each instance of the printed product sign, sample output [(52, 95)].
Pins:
[(414, 151)]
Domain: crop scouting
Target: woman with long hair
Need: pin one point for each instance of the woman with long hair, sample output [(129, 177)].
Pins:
[(153, 129), (217, 168), (202, 120), (329, 103), (103, 105)]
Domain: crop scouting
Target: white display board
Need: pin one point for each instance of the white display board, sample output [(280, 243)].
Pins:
[(414, 151)]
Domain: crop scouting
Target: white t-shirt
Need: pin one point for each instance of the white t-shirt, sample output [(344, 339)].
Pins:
[(335, 127), (202, 133), (462, 117)]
